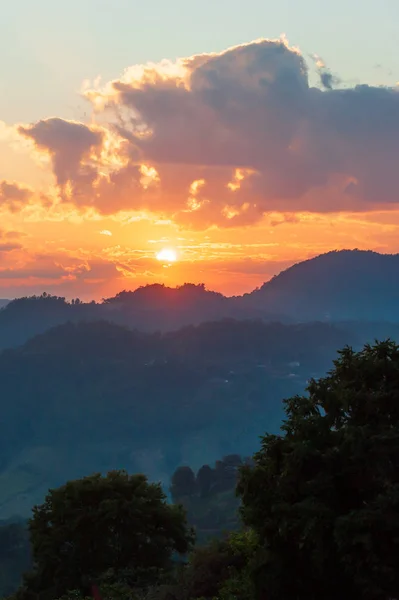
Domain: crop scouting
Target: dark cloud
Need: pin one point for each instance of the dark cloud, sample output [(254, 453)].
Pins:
[(244, 123), (328, 80), (68, 143)]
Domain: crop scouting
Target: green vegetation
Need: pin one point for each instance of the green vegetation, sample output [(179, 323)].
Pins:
[(324, 496), (319, 507), (95, 397), (209, 497), (116, 526)]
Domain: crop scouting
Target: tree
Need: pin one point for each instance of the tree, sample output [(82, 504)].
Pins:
[(99, 524), (183, 483), (323, 497), (226, 471), (205, 478)]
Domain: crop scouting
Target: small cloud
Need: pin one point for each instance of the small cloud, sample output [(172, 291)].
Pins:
[(9, 247), (14, 196), (105, 232)]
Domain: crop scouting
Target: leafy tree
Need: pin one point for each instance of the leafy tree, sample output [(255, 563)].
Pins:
[(97, 524), (204, 480), (239, 584), (183, 483), (323, 497), (209, 567)]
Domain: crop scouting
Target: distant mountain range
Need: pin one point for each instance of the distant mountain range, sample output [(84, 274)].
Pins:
[(337, 286), (160, 376)]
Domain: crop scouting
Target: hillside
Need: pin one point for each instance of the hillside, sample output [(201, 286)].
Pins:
[(344, 285), (96, 396), (151, 308), (338, 286)]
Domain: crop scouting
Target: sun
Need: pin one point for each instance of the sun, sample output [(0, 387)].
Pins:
[(167, 255)]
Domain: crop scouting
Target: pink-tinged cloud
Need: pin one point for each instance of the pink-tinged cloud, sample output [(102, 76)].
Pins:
[(225, 138), (14, 196)]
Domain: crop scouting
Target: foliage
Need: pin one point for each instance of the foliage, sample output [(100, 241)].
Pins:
[(209, 496), (211, 514), (15, 556), (157, 400), (183, 483), (218, 571), (91, 526), (323, 497), (239, 584)]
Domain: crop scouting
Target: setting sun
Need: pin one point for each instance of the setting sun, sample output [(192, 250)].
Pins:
[(167, 255)]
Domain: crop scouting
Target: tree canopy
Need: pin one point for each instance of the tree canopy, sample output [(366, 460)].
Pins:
[(323, 497), (116, 523)]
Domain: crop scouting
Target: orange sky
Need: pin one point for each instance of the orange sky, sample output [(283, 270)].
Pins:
[(232, 159)]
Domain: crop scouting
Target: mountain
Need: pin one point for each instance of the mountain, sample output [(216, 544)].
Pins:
[(341, 285), (338, 286), (150, 308), (160, 308), (95, 396)]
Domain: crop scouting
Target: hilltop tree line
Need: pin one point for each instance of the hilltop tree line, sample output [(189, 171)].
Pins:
[(319, 509), (208, 481)]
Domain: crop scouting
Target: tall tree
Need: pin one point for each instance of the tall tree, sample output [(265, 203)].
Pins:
[(205, 478), (183, 483), (96, 524), (324, 496)]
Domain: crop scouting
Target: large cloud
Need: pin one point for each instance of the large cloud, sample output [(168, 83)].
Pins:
[(224, 138)]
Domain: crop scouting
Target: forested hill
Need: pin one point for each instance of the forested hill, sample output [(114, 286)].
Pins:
[(150, 308), (337, 286), (95, 396), (344, 285)]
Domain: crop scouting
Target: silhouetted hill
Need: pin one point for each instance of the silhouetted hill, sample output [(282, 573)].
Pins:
[(26, 317), (338, 286), (341, 285), (95, 396), (160, 308), (151, 308), (158, 296)]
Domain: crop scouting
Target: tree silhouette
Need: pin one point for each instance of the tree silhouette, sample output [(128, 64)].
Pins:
[(324, 495), (96, 524), (183, 483)]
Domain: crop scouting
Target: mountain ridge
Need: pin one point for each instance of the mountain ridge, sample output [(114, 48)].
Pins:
[(341, 284), (335, 286)]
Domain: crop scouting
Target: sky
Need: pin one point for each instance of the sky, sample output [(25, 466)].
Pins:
[(243, 136)]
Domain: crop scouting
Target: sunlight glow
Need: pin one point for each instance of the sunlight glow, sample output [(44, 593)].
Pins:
[(167, 255)]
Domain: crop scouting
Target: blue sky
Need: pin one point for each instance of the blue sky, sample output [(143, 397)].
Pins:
[(48, 47)]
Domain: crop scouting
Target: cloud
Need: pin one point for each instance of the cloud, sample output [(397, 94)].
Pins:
[(105, 232), (14, 196), (223, 138), (9, 247), (69, 145)]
